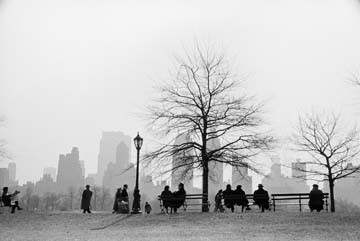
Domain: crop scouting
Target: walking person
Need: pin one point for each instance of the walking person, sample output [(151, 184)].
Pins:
[(147, 208), (218, 202), (117, 200), (85, 200)]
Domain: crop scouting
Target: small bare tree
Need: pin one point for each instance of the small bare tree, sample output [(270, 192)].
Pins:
[(203, 102), (331, 149)]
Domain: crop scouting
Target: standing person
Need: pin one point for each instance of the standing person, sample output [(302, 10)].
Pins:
[(117, 200), (166, 197), (229, 199), (85, 200), (147, 208), (124, 203), (261, 198), (240, 198), (6, 199), (218, 203), (179, 197), (316, 201)]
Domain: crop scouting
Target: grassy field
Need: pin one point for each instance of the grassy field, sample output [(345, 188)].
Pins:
[(183, 226)]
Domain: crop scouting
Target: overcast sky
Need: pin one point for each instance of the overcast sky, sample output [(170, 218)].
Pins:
[(70, 69)]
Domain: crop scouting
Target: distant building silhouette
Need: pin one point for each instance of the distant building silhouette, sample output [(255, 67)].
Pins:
[(110, 152), (119, 171), (69, 171), (12, 171), (45, 185), (216, 171), (240, 176), (4, 177), (298, 169), (275, 182), (182, 174), (90, 180), (50, 171)]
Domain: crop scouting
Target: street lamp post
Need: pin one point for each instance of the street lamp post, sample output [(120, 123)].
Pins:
[(138, 141)]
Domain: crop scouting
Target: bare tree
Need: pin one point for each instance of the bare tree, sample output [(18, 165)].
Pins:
[(332, 150), (204, 102)]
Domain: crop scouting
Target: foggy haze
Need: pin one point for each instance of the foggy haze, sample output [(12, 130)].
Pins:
[(72, 69)]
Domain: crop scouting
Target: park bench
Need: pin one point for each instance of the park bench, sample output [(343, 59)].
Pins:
[(191, 200), (294, 199), (250, 198)]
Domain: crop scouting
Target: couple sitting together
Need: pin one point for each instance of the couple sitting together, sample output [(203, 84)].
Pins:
[(173, 200)]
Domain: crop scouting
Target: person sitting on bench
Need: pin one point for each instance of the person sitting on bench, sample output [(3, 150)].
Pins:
[(6, 198), (229, 199), (261, 198), (240, 198), (179, 197), (218, 204), (316, 201), (166, 197)]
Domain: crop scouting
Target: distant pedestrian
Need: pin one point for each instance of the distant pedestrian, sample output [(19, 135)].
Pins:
[(124, 193), (261, 198), (316, 201), (86, 199), (124, 203), (218, 202), (147, 208)]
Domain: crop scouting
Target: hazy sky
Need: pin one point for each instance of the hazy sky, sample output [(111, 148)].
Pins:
[(70, 69)]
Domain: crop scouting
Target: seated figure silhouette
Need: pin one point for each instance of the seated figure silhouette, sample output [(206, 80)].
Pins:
[(261, 198), (229, 198), (178, 198), (8, 198), (240, 198), (166, 197), (316, 201)]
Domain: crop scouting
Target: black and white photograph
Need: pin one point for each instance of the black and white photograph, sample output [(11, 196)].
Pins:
[(162, 120)]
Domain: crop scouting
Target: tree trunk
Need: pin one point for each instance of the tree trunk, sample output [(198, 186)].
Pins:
[(205, 187), (332, 198)]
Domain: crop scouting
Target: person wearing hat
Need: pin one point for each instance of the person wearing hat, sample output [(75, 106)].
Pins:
[(85, 200), (316, 197), (261, 198)]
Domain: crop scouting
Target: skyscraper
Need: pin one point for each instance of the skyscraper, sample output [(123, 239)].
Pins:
[(12, 171), (69, 171), (4, 177), (182, 173), (216, 170), (109, 145), (240, 176)]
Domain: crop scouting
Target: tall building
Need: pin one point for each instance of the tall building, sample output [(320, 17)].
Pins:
[(298, 169), (50, 171), (12, 171), (4, 177), (69, 171), (182, 173), (109, 147), (240, 176), (45, 185), (216, 171)]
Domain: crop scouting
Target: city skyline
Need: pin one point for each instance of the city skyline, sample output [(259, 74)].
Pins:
[(97, 80)]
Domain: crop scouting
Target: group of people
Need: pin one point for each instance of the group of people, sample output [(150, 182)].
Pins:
[(173, 200), (10, 200), (121, 202), (238, 197)]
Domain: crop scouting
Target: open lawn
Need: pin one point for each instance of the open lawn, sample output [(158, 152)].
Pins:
[(183, 226)]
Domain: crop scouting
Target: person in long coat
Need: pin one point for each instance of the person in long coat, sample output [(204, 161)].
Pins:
[(85, 200), (261, 198), (240, 198), (117, 200)]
